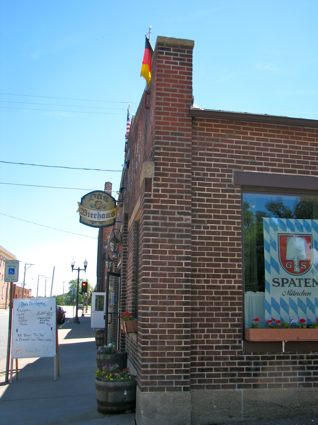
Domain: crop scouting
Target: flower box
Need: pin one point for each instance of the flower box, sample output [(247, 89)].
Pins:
[(281, 334), (129, 326)]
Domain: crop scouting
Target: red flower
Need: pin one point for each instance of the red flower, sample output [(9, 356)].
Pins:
[(127, 315)]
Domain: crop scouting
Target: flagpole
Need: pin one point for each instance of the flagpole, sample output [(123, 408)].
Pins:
[(149, 32)]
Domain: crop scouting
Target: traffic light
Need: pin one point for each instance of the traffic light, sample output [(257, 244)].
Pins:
[(84, 287)]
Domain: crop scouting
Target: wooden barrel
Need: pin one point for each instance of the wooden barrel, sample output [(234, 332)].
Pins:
[(115, 396), (99, 337), (104, 359)]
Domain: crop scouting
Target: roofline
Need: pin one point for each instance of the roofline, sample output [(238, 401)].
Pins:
[(7, 253), (247, 117)]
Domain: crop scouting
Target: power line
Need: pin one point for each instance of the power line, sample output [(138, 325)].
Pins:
[(65, 98), (60, 166), (42, 186), (48, 227), (59, 110), (98, 108), (28, 102)]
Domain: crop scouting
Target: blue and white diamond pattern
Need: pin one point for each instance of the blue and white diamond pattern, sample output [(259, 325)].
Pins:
[(279, 304)]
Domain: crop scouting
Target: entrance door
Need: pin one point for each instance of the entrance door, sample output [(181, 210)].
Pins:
[(98, 310)]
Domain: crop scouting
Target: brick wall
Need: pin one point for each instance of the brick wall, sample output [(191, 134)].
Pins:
[(165, 229), (219, 148), (180, 189)]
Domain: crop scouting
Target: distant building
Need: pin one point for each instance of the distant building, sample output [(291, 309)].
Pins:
[(214, 204)]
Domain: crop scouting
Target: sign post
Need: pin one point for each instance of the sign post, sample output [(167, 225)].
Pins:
[(11, 275)]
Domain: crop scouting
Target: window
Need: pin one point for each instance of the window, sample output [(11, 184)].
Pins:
[(99, 303), (284, 287)]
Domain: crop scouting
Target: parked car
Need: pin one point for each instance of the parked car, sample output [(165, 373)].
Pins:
[(60, 315)]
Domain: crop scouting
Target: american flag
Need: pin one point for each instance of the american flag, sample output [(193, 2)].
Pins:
[(127, 125)]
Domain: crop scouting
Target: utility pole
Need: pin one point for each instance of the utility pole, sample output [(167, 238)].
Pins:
[(26, 267), (52, 280)]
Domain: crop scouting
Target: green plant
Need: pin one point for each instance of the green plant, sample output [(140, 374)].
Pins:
[(107, 349), (274, 323), (256, 322), (112, 373), (314, 324)]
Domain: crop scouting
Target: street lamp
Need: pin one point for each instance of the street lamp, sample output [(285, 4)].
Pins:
[(77, 286)]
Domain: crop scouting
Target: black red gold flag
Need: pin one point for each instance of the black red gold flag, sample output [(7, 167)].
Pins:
[(147, 62)]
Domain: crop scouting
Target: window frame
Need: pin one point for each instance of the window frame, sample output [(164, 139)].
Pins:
[(281, 184)]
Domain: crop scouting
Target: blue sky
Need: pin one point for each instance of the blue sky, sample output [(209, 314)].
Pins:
[(69, 70)]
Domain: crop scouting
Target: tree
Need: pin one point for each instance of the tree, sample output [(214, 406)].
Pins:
[(70, 297)]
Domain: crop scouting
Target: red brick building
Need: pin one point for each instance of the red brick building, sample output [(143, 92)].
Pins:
[(197, 186)]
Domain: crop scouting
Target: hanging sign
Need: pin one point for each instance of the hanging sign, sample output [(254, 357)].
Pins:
[(97, 209), (291, 269)]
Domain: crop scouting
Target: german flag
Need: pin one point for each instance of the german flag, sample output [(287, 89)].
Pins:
[(146, 62)]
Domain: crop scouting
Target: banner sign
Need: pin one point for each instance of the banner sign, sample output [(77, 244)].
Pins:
[(34, 327), (291, 269), (97, 209)]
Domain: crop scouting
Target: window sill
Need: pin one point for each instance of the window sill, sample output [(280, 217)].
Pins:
[(284, 335)]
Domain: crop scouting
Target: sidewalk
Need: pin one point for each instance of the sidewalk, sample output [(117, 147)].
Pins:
[(36, 399)]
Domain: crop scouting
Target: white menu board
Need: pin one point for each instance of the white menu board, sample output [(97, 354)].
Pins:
[(34, 327)]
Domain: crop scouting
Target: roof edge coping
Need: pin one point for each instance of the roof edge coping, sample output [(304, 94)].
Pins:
[(246, 116), (177, 42)]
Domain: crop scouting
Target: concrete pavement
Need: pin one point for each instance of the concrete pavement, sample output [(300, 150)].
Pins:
[(36, 399)]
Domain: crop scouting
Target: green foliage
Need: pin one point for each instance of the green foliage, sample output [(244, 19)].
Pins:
[(113, 374), (107, 349), (69, 298), (60, 300)]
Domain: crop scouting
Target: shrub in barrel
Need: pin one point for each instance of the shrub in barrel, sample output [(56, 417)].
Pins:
[(107, 355)]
